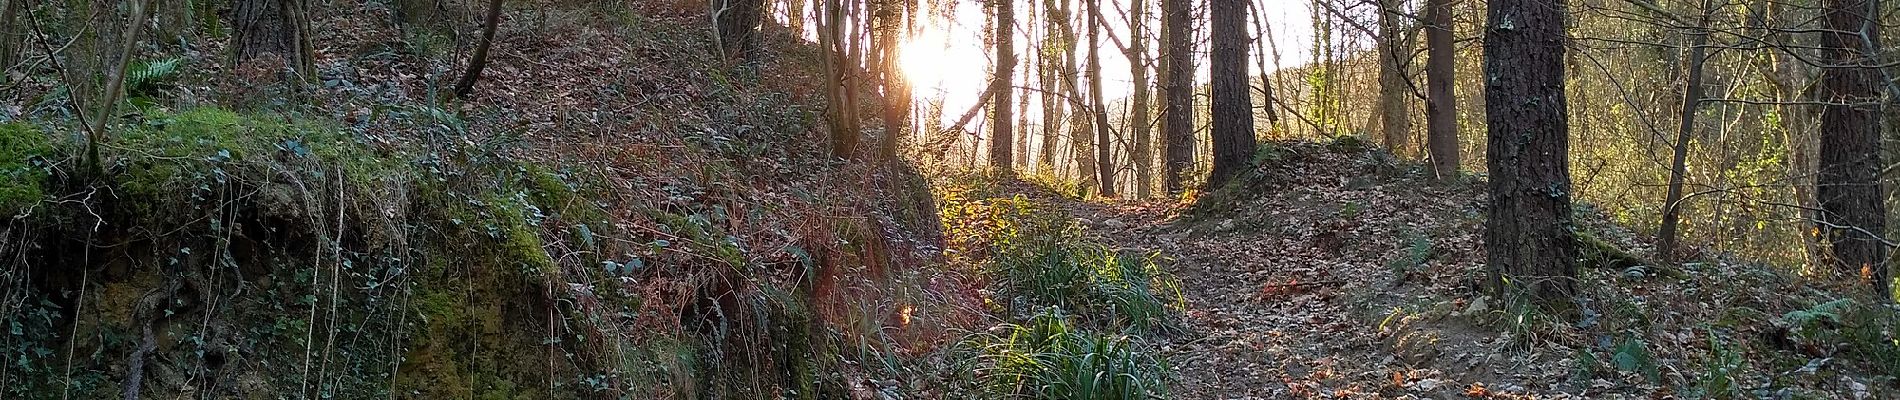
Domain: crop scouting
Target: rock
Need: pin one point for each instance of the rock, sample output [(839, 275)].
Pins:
[(1114, 224), (1477, 306), (1224, 225)]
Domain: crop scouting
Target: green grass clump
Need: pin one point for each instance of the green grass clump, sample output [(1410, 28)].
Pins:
[(23, 152), (1048, 357)]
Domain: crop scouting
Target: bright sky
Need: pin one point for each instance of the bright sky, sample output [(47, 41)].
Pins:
[(950, 59)]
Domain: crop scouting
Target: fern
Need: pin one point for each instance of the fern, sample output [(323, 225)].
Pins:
[(1805, 320), (149, 76)]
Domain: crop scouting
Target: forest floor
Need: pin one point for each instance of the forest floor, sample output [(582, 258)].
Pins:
[(1339, 274)]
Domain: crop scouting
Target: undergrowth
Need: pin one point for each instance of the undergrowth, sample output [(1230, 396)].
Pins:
[(1076, 313)]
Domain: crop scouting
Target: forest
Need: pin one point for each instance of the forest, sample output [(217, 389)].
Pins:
[(943, 199)]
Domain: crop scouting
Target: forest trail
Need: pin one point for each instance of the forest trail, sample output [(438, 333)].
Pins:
[(1338, 278)]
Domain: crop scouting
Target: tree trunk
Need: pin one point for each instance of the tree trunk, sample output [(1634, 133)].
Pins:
[(1678, 164), (1441, 137), (480, 59), (736, 26), (1177, 114), (12, 35), (1142, 153), (896, 86), (1529, 246), (1852, 216), (1232, 103), (1394, 122), (840, 107), (1104, 161), (1002, 120), (795, 17), (1052, 108), (273, 30)]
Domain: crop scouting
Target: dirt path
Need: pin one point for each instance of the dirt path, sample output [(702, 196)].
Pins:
[(1326, 286)]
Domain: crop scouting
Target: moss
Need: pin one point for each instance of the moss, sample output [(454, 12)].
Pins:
[(23, 151), (200, 145)]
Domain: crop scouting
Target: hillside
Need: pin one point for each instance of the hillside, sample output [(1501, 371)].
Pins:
[(618, 212), (1333, 271), (615, 214)]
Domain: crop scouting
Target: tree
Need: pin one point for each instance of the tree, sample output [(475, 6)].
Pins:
[(1232, 103), (1441, 115), (12, 34), (892, 24), (1529, 246), (480, 59), (1142, 153), (736, 26), (1394, 120), (1052, 60), (1104, 162), (1001, 120), (271, 30), (840, 101), (1679, 159), (1853, 216), (1177, 113)]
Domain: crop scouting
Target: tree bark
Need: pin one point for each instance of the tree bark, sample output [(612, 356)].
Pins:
[(272, 28), (1530, 249), (1853, 216), (897, 96), (1142, 153), (840, 107), (1678, 164), (1441, 137), (1002, 120), (1052, 107), (1394, 122), (1177, 114), (736, 26), (480, 60), (1233, 134), (12, 35), (1104, 161)]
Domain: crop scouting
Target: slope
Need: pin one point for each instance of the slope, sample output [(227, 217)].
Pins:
[(1332, 271)]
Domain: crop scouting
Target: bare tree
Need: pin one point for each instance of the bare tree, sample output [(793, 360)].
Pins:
[(1177, 114), (1441, 137), (475, 63), (897, 95), (1679, 160), (1002, 122), (1141, 154), (1104, 161), (1394, 120)]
